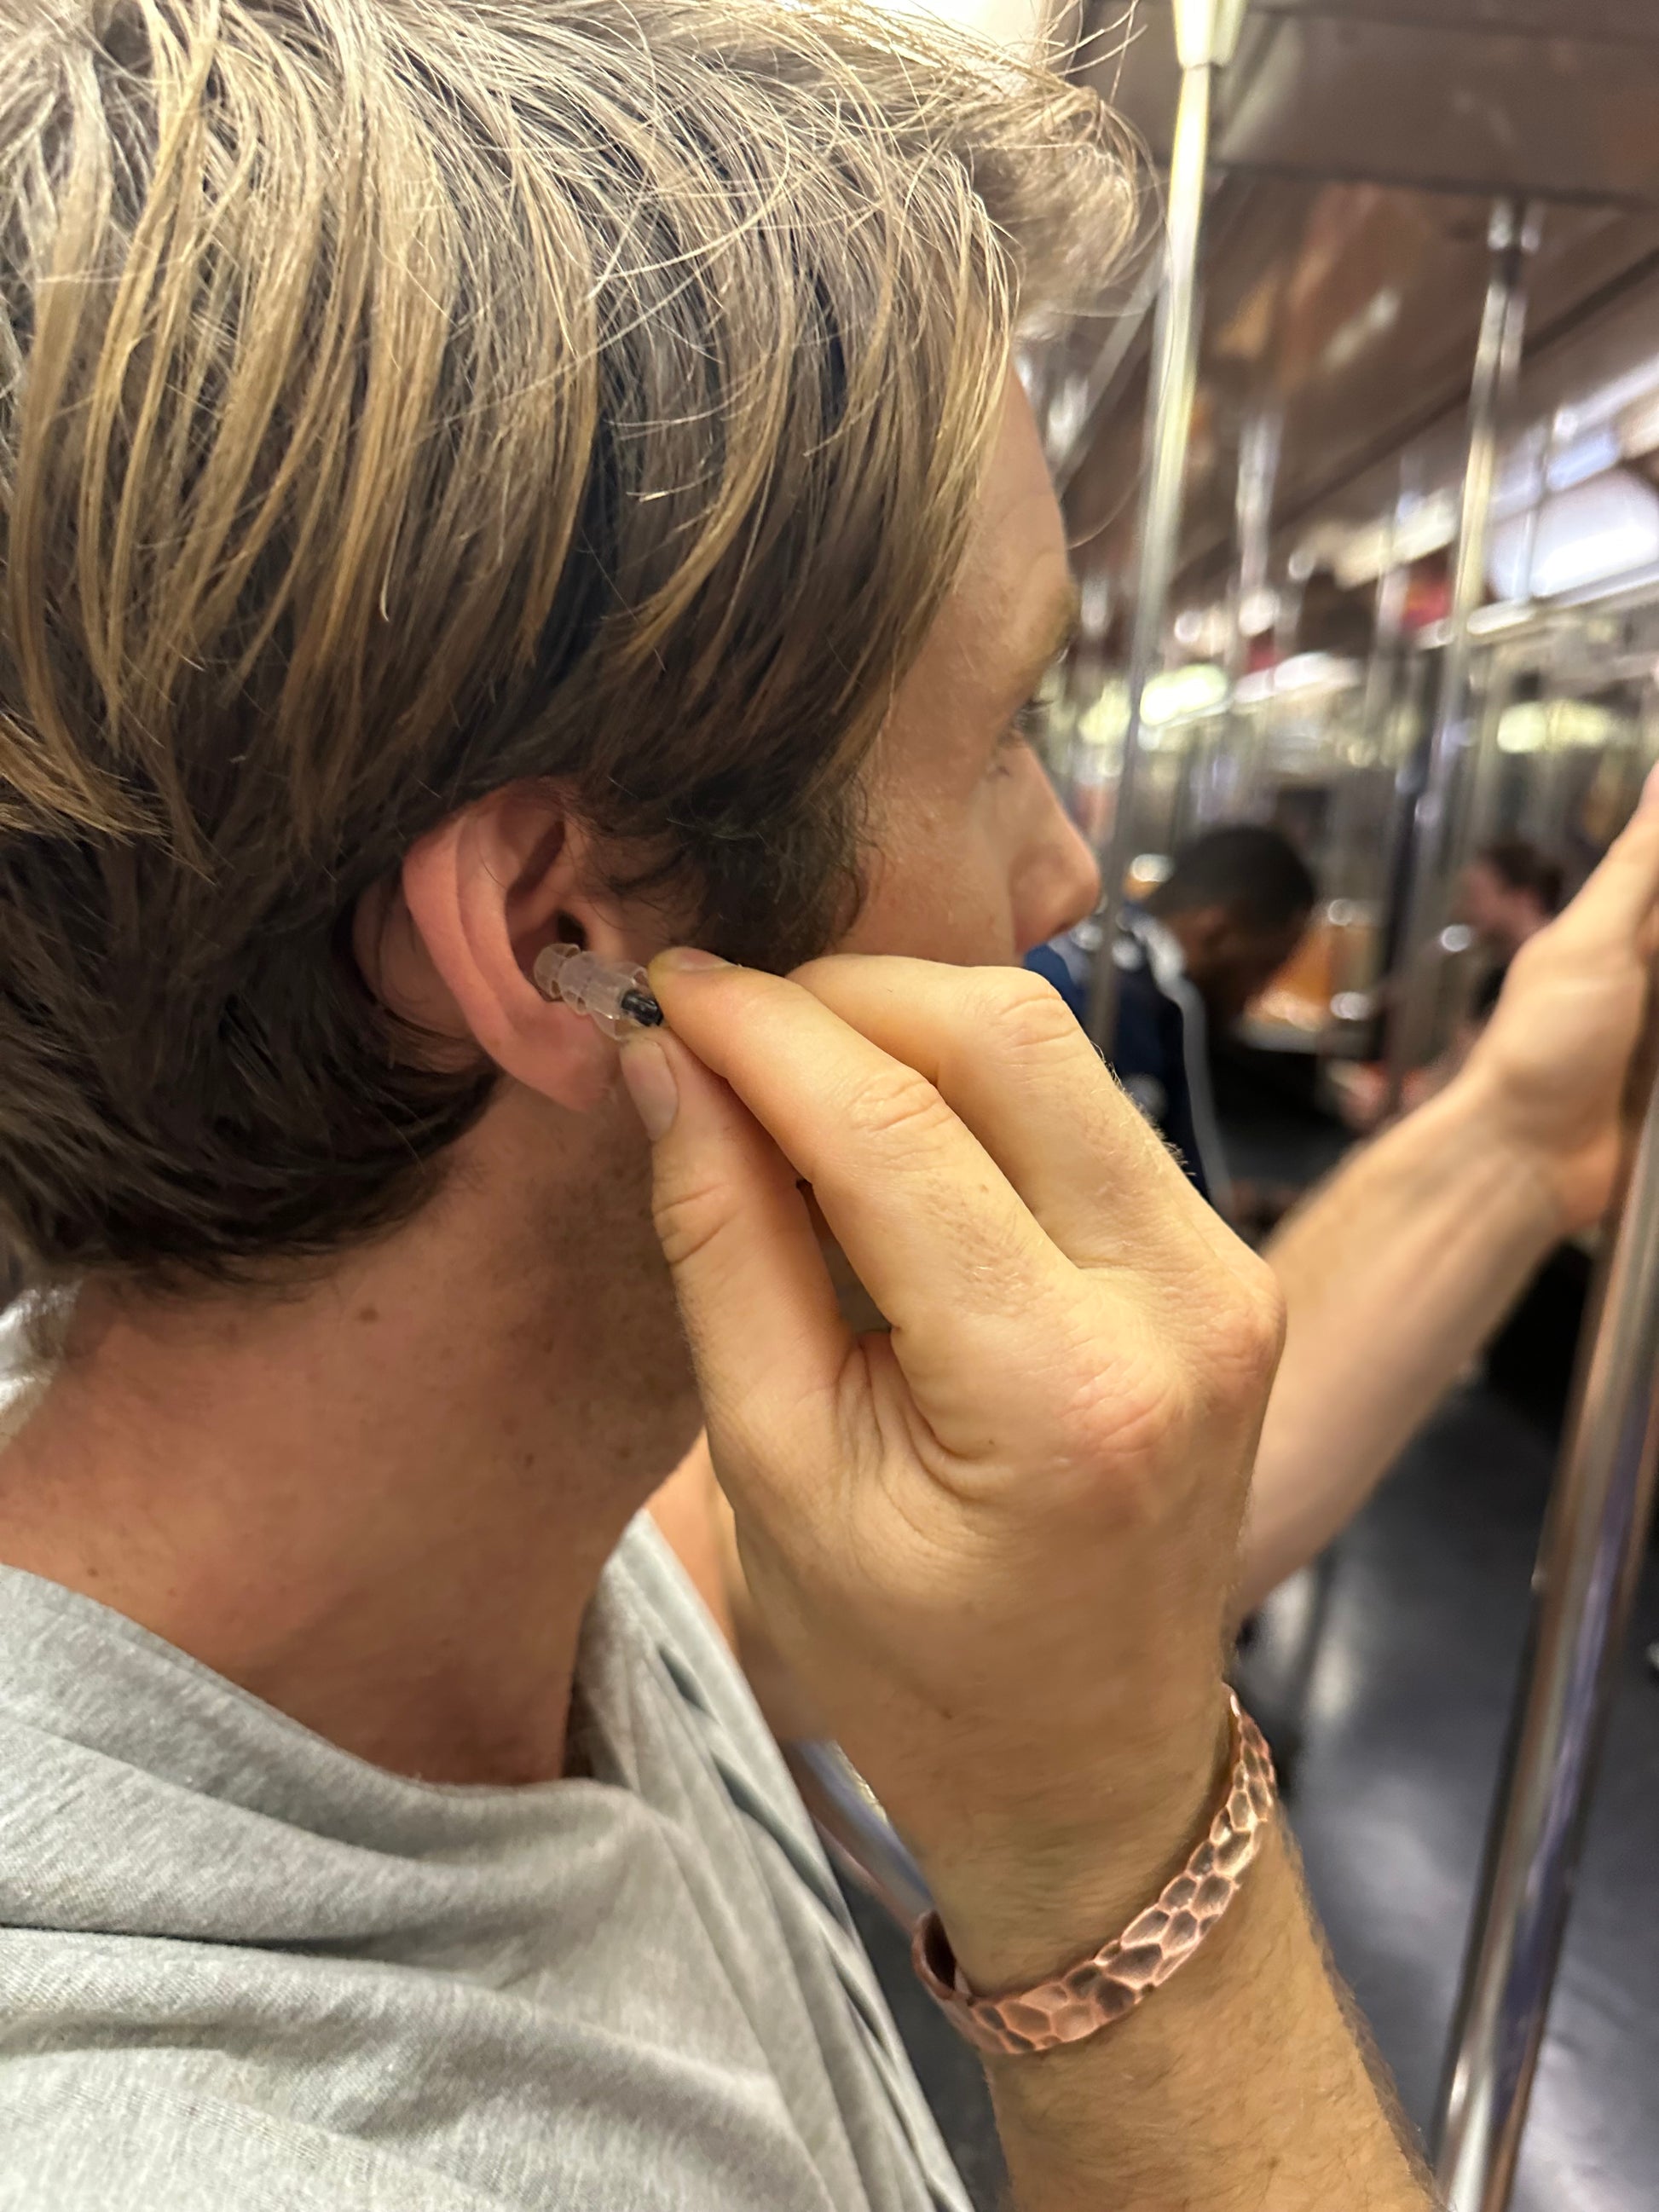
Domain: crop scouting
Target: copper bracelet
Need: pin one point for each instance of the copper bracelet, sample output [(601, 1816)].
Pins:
[(1103, 1988)]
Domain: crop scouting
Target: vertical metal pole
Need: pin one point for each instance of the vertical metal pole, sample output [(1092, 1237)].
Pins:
[(1226, 785), (1390, 693), (1081, 398), (1480, 814), (1594, 1543), (1207, 34), (1536, 505), (1387, 639), (1647, 739), (1253, 509), (1512, 237), (1287, 629)]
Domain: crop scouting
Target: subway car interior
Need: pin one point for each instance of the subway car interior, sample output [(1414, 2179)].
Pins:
[(1358, 461), (1361, 472)]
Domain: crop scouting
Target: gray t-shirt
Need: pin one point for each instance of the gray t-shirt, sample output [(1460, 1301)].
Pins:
[(241, 1970)]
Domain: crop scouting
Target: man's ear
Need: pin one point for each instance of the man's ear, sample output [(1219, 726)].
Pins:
[(1205, 932), (479, 896)]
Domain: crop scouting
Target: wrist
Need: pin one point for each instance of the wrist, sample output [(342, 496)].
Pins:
[(1472, 1123), (1022, 1901)]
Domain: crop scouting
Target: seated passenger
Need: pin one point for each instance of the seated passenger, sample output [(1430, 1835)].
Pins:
[(482, 479), (1190, 958)]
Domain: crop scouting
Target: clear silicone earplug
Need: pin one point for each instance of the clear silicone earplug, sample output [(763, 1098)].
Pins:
[(616, 997)]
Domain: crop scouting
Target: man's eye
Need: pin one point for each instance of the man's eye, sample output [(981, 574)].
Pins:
[(1031, 721), (1024, 729)]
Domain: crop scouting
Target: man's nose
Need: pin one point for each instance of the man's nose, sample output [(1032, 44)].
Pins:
[(1059, 883)]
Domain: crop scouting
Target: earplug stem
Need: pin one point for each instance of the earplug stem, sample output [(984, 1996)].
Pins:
[(616, 997)]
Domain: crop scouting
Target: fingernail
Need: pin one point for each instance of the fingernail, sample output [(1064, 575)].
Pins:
[(687, 959), (650, 1085)]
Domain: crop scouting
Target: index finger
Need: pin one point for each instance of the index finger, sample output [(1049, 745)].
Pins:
[(1013, 1061), (932, 1226), (754, 1295)]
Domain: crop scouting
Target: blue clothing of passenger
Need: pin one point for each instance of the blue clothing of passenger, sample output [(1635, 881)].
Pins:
[(1160, 1051)]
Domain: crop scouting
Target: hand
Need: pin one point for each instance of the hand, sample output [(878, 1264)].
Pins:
[(1552, 1061), (997, 1544)]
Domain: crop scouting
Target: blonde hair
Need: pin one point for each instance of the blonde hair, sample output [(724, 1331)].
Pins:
[(398, 398)]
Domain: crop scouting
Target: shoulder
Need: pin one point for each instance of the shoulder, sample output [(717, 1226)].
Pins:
[(94, 2131), (669, 1616), (85, 2133), (1062, 963)]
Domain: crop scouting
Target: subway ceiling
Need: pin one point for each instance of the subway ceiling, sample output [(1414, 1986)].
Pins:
[(1359, 147)]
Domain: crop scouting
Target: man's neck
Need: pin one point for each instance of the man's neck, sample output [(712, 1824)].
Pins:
[(382, 1505)]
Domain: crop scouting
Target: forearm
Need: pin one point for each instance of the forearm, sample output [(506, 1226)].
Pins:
[(1393, 1275), (1239, 2085)]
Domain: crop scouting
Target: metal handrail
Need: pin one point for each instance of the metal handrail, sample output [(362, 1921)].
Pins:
[(1513, 239), (1591, 1552)]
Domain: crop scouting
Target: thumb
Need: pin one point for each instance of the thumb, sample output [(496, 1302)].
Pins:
[(759, 1309), (1606, 918)]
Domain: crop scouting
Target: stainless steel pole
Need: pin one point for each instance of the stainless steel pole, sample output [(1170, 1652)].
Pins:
[(1512, 237), (1224, 786), (1594, 1543), (1083, 399), (1392, 584), (1259, 448), (1206, 37)]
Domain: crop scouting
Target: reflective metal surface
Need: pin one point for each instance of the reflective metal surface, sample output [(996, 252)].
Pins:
[(1206, 36), (1630, 22), (1383, 283), (861, 1839), (1222, 778), (1456, 108), (1593, 1544), (1513, 239), (1075, 411), (1537, 98)]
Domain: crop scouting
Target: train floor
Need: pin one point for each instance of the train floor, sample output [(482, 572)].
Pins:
[(1387, 1675)]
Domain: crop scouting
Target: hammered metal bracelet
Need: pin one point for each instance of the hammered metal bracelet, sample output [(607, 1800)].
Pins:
[(1103, 1988)]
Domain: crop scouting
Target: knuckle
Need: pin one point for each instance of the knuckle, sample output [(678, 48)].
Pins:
[(893, 1102), (1025, 1016), (690, 1219), (1246, 1331), (1126, 1410)]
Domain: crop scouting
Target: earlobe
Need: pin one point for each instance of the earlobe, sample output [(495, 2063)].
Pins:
[(484, 892)]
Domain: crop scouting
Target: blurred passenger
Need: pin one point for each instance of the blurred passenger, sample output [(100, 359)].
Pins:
[(1509, 892), (1190, 958)]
